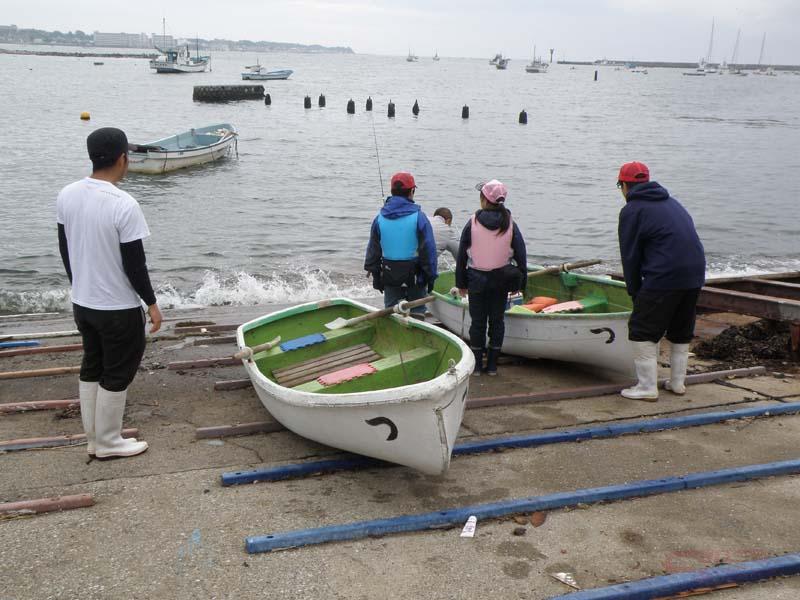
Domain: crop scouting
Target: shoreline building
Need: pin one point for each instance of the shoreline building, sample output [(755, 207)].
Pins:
[(121, 40)]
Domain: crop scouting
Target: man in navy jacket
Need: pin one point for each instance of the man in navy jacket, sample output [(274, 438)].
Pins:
[(664, 266), (401, 254)]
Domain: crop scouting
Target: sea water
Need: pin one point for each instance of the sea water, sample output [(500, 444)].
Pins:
[(287, 217)]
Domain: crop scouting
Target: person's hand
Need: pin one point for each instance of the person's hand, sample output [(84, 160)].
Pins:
[(462, 292), (155, 317)]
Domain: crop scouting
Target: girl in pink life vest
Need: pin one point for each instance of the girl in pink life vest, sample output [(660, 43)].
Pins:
[(491, 262)]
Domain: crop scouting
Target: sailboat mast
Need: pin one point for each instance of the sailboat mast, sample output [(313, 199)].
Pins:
[(761, 54), (710, 42), (736, 48)]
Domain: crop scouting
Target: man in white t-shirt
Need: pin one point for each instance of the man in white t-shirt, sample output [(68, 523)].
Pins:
[(100, 233)]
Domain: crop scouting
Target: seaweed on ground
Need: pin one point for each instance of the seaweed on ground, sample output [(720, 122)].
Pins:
[(758, 341)]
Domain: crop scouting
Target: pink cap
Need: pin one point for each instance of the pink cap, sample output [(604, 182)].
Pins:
[(494, 191)]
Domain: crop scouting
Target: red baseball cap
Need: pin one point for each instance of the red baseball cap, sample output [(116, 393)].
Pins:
[(403, 181), (634, 172)]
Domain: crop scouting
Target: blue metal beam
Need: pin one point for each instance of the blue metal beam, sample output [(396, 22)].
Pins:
[(457, 516), (353, 462), (21, 344), (667, 585)]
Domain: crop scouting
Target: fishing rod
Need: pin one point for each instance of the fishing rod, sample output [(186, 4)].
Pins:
[(377, 154)]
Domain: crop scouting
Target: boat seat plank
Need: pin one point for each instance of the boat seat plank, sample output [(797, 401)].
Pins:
[(394, 366), (348, 352), (327, 363)]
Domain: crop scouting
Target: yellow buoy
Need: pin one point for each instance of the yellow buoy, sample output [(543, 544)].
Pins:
[(85, 116)]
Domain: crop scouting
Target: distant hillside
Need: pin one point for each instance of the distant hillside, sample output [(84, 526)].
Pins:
[(11, 34)]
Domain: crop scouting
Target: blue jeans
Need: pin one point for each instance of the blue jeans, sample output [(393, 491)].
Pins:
[(392, 294)]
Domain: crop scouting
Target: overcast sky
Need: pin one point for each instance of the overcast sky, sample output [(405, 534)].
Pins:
[(675, 30)]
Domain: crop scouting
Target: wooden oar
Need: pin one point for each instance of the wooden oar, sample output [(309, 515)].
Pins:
[(247, 352), (401, 308), (579, 264)]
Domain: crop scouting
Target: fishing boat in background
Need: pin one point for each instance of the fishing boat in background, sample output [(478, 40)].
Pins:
[(411, 57), (179, 60), (536, 65), (580, 319), (436, 55), (344, 374), (259, 73), (502, 64), (497, 58), (194, 147)]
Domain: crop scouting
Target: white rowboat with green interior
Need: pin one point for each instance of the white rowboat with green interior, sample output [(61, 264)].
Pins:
[(597, 335), (392, 388)]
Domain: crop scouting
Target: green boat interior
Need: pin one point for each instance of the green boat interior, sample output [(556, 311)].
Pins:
[(373, 355), (595, 295)]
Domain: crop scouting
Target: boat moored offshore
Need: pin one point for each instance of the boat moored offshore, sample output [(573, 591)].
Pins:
[(194, 147)]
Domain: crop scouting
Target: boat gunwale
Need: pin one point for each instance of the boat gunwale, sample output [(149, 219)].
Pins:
[(414, 392), (446, 297)]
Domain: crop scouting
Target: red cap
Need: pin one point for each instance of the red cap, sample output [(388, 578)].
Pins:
[(634, 172), (403, 181)]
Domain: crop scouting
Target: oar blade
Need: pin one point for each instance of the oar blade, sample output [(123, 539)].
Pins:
[(337, 323)]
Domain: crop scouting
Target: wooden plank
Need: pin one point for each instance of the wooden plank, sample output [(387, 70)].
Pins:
[(39, 372), (53, 442), (600, 390), (301, 365), (310, 375), (41, 350), (43, 505), (36, 336), (204, 329), (226, 361), (232, 384), (241, 429), (15, 407), (223, 339)]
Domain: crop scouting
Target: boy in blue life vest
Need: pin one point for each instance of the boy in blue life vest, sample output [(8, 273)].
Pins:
[(664, 265), (401, 254)]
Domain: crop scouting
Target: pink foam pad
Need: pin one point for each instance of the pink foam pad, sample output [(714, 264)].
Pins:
[(346, 374), (571, 306)]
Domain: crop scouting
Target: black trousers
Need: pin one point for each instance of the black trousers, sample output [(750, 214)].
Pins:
[(490, 304), (657, 313), (113, 345)]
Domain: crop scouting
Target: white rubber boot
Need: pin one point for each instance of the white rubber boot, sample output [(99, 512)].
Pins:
[(87, 393), (646, 362), (678, 361), (108, 426)]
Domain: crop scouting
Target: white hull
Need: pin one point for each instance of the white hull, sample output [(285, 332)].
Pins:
[(427, 415), (170, 67), (600, 340), (266, 76), (156, 161)]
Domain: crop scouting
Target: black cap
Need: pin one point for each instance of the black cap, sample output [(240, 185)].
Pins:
[(107, 143)]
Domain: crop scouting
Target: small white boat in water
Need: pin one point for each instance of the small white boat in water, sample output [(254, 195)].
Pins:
[(597, 334), (194, 147), (502, 64), (391, 388), (260, 73), (179, 60)]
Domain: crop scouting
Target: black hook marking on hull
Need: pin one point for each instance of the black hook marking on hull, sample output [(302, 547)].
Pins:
[(611, 336), (384, 421)]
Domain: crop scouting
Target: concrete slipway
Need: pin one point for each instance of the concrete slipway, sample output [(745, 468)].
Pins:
[(164, 527)]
